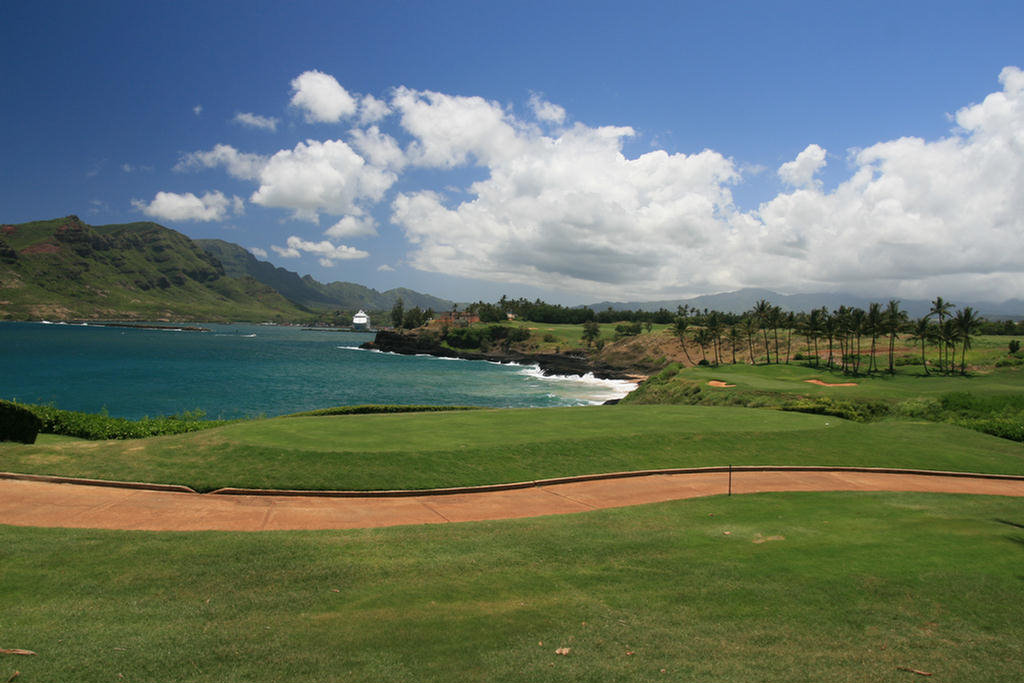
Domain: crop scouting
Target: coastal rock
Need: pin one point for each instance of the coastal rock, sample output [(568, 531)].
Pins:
[(411, 344)]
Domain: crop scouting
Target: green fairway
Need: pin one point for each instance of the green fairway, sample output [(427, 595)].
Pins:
[(429, 450), (772, 587), (906, 383)]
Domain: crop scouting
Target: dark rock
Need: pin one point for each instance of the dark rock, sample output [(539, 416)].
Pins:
[(550, 363)]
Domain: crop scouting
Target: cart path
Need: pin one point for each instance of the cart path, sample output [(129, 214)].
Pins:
[(34, 503)]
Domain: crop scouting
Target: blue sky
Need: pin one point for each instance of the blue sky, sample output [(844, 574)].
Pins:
[(577, 151)]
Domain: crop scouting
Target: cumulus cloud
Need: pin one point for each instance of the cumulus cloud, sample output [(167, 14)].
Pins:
[(317, 177), (546, 111), (916, 215), (321, 97), (572, 212), (238, 164), (169, 206), (385, 268), (256, 121), (353, 226), (372, 110), (800, 172), (329, 253), (559, 205), (258, 253), (378, 148), (452, 130)]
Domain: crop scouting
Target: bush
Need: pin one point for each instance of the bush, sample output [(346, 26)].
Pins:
[(98, 426), (858, 411), (550, 338), (1014, 346), (18, 423)]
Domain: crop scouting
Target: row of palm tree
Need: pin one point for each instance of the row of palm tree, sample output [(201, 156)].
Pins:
[(846, 330)]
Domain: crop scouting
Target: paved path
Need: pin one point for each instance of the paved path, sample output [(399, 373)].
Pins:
[(33, 503)]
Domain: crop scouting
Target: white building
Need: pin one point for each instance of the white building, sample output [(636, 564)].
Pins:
[(361, 321)]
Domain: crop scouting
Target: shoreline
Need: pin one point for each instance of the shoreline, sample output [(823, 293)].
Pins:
[(549, 363)]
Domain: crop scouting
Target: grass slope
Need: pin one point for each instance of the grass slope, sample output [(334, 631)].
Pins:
[(66, 269), (427, 450), (774, 587)]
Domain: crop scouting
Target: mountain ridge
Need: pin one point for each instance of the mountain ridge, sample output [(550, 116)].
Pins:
[(308, 291)]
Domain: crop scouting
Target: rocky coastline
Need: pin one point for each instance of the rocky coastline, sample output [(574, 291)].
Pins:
[(411, 344)]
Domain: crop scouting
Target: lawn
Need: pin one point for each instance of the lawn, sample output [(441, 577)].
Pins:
[(428, 450), (908, 382), (772, 587)]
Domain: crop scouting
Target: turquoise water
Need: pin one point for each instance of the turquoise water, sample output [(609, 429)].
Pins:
[(251, 370)]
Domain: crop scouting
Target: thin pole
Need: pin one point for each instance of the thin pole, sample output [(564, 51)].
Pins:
[(730, 480)]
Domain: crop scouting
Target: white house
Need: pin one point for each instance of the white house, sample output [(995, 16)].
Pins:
[(361, 321)]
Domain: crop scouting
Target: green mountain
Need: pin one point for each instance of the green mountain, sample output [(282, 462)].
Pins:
[(66, 269), (308, 292)]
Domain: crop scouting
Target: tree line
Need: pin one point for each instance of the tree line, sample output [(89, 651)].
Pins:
[(843, 337)]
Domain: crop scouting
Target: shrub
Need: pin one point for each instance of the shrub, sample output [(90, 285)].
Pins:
[(858, 411), (18, 423), (97, 426), (1014, 346), (550, 338)]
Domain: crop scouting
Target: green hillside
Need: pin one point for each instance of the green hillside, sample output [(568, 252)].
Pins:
[(238, 262), (66, 269)]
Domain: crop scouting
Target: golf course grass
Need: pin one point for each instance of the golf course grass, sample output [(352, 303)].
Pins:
[(436, 450), (770, 587)]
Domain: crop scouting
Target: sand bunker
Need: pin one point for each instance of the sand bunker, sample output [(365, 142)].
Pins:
[(719, 383), (826, 384)]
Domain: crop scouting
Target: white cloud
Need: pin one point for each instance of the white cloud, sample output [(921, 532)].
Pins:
[(800, 172), (258, 253), (352, 226), (546, 111), (256, 121), (286, 252), (197, 110), (385, 268), (572, 212), (322, 97), (320, 177), (450, 130), (915, 215), (212, 206), (372, 110), (329, 253), (237, 164), (378, 148)]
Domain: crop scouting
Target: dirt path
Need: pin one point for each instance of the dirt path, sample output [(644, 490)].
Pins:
[(33, 503)]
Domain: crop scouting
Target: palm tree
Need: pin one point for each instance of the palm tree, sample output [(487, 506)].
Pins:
[(829, 327), (940, 308), (762, 312), (894, 320), (873, 326), (713, 324), (858, 320), (922, 333), (749, 326), (735, 338), (776, 319), (680, 331), (967, 323)]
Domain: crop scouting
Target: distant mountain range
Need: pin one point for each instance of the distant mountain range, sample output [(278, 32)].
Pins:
[(744, 299), (239, 262), (66, 269)]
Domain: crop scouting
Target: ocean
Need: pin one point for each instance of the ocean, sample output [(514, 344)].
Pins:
[(242, 370)]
